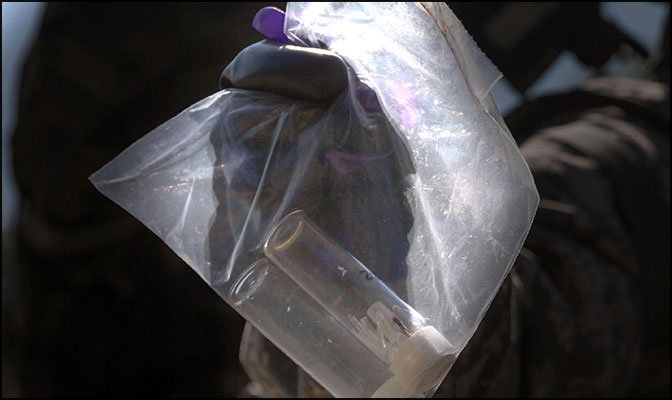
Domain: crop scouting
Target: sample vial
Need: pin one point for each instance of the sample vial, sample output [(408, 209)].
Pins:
[(418, 355)]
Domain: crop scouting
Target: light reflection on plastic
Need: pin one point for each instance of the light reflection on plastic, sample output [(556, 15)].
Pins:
[(404, 98)]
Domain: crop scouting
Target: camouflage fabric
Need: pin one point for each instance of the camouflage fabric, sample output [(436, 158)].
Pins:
[(585, 310), (101, 305)]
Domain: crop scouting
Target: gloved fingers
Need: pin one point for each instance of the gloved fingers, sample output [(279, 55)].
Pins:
[(277, 67), (286, 70)]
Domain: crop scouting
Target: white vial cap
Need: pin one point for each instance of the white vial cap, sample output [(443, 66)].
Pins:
[(423, 360), (394, 389)]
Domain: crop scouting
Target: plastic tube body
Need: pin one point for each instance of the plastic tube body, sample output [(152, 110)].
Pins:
[(299, 326), (342, 285)]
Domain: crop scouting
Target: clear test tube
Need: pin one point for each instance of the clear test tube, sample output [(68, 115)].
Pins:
[(396, 333), (291, 320)]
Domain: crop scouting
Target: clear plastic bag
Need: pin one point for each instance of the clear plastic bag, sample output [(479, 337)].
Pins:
[(427, 201)]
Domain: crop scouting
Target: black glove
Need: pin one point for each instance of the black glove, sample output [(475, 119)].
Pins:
[(291, 71)]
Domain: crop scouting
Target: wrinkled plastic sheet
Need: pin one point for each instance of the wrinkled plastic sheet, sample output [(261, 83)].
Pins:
[(429, 191)]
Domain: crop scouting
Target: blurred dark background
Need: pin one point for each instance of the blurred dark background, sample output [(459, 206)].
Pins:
[(93, 302)]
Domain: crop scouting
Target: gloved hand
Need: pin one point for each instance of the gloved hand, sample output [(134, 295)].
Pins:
[(357, 177), (356, 180), (276, 66)]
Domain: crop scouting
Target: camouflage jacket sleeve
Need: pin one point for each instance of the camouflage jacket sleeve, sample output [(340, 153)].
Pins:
[(102, 306), (585, 311)]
